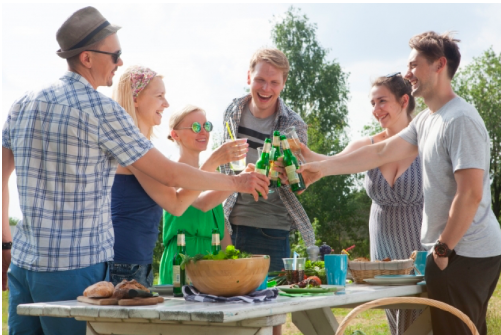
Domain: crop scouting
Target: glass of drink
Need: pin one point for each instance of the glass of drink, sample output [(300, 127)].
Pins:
[(294, 143), (239, 165), (294, 269)]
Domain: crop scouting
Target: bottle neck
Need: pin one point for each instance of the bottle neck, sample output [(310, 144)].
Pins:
[(276, 141)]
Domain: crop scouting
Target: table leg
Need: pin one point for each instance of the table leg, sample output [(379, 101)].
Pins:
[(318, 321)]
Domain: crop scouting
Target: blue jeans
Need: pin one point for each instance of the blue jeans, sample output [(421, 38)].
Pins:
[(143, 274), (261, 241), (27, 286)]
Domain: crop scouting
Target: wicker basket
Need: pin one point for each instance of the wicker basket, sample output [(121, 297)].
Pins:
[(365, 270), (406, 300)]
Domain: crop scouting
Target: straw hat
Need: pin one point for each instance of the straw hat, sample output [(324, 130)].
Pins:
[(81, 31)]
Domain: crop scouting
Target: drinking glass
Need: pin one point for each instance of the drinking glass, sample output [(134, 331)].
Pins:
[(336, 268), (294, 269), (294, 143), (239, 165), (259, 152)]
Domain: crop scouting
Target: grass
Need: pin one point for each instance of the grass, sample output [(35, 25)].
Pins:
[(372, 322)]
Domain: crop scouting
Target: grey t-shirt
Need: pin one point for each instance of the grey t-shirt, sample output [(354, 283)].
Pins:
[(269, 213), (451, 139)]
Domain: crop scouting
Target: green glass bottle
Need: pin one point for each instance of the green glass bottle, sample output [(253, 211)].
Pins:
[(263, 164), (296, 181), (216, 243), (275, 180), (178, 275)]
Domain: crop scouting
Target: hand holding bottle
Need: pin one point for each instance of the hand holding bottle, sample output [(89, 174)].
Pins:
[(252, 182)]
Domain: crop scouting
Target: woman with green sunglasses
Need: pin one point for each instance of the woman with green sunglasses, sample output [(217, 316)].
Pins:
[(191, 132), (137, 200)]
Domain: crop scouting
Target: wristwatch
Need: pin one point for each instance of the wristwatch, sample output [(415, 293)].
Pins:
[(6, 245), (442, 250)]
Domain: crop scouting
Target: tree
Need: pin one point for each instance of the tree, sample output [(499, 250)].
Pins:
[(317, 90), (479, 83)]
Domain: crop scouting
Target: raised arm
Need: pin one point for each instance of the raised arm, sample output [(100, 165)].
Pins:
[(7, 169), (173, 174), (312, 156), (363, 159)]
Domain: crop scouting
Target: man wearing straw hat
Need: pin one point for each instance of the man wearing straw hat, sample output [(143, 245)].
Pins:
[(65, 142)]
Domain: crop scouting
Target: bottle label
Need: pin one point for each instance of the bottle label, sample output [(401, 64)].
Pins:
[(267, 147), (285, 144), (273, 173), (276, 141), (215, 239), (176, 276), (261, 171), (291, 174), (181, 239)]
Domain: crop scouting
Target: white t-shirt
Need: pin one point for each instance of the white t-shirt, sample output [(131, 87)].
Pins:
[(451, 139)]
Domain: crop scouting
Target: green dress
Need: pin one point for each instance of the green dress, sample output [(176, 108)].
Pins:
[(198, 229)]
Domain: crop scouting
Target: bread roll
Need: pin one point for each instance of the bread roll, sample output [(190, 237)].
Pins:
[(102, 289)]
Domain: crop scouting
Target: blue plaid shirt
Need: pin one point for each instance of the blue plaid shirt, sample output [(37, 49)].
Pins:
[(67, 140), (285, 117)]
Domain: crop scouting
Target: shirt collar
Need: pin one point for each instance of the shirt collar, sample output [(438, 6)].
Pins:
[(76, 77)]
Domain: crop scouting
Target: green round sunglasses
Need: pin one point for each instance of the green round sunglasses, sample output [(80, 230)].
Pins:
[(197, 127)]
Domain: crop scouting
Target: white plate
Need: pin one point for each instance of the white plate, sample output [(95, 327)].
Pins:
[(399, 276), (394, 281), (161, 289)]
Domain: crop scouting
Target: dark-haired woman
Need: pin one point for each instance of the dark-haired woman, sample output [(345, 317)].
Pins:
[(395, 188)]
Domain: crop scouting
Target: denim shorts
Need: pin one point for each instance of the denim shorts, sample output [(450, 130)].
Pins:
[(143, 274), (262, 241), (27, 286)]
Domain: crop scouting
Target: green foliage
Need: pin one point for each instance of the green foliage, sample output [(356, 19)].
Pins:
[(230, 253), (13, 221), (479, 83)]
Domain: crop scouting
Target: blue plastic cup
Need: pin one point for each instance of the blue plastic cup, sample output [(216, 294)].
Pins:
[(264, 284), (336, 268), (420, 261)]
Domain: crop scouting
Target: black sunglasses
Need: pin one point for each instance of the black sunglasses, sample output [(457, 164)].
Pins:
[(115, 56), (196, 127), (391, 75)]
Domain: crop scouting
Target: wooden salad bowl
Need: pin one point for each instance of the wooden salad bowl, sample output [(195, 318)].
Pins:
[(229, 277)]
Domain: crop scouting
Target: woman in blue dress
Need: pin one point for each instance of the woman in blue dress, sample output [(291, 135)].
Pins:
[(137, 200)]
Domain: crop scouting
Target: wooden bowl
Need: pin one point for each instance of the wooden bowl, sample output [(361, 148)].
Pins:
[(229, 277)]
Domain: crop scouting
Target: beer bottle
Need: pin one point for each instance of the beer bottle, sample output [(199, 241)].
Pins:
[(263, 164), (178, 275), (216, 243), (275, 180), (296, 181)]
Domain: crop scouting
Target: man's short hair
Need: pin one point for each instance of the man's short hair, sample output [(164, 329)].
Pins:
[(433, 46), (273, 57), (74, 61)]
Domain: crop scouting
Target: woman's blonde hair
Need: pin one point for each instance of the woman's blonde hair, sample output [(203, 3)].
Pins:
[(176, 117), (123, 94)]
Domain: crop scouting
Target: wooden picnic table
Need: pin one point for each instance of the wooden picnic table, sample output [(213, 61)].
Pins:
[(175, 316)]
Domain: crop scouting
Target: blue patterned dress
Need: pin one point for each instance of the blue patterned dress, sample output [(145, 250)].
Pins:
[(395, 225)]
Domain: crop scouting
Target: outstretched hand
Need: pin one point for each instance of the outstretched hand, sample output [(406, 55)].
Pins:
[(252, 182), (311, 172)]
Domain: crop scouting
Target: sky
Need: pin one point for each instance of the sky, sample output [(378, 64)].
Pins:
[(203, 50)]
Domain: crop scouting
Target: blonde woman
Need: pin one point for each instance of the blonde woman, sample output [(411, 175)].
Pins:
[(191, 131), (137, 200)]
